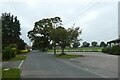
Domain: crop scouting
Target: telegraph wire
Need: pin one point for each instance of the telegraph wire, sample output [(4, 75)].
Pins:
[(83, 11)]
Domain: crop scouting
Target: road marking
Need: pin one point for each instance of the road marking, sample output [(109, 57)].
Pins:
[(21, 64)]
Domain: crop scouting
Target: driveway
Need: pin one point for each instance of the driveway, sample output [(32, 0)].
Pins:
[(45, 65)]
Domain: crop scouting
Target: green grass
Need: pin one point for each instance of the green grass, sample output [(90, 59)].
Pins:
[(23, 51), (18, 57), (86, 49), (68, 56), (0, 72), (11, 73)]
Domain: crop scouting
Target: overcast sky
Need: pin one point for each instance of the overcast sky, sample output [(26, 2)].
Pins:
[(98, 19)]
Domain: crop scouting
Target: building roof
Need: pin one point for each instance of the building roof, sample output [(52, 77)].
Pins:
[(114, 41)]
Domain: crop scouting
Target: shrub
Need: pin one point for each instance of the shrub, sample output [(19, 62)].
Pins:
[(106, 49), (14, 52), (7, 53), (115, 50), (13, 46), (24, 51)]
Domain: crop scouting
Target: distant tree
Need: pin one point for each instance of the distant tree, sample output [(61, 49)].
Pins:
[(76, 43), (85, 44), (0, 27), (21, 44), (40, 43), (54, 34), (31, 35), (0, 34), (102, 44), (94, 44)]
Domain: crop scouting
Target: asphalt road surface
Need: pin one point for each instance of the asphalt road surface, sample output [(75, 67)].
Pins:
[(45, 65)]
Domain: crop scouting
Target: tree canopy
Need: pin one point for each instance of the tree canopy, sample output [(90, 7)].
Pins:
[(42, 29), (64, 37), (52, 30), (85, 44), (102, 44), (10, 30), (94, 44)]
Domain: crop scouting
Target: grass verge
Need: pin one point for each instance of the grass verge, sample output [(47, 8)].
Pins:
[(0, 72), (18, 57), (11, 73), (68, 56)]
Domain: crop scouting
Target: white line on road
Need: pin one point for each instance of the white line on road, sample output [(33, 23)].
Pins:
[(21, 64)]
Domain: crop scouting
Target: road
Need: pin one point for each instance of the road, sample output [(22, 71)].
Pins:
[(98, 62), (44, 65)]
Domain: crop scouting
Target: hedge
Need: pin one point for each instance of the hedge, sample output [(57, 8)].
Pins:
[(115, 50), (8, 53)]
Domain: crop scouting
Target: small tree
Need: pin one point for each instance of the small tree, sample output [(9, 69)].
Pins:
[(54, 34), (76, 43), (102, 44), (7, 53), (85, 44), (94, 44)]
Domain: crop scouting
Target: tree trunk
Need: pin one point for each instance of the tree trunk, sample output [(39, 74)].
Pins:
[(54, 50), (63, 52)]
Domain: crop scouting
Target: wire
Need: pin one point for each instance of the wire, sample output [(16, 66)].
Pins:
[(82, 12)]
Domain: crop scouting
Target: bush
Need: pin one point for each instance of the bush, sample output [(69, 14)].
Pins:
[(106, 49), (23, 51), (115, 50), (7, 53), (13, 46), (14, 52)]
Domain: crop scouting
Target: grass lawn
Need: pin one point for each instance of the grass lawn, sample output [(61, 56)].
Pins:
[(68, 56), (85, 49), (0, 72), (18, 57), (11, 73), (23, 51)]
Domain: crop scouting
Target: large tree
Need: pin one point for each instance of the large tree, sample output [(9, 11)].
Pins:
[(64, 37), (31, 35), (10, 30), (42, 29)]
